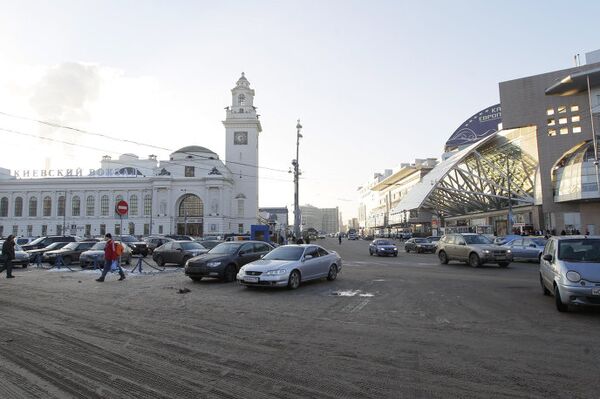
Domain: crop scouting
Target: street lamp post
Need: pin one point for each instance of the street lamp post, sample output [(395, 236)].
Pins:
[(594, 141), (296, 165)]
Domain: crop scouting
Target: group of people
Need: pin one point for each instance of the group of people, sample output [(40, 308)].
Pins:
[(111, 257)]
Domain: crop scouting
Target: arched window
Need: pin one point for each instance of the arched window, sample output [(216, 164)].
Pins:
[(90, 204), (147, 205), (33, 206), (61, 206), (242, 100), (18, 207), (75, 206), (104, 205), (47, 205), (191, 206), (4, 207), (133, 205)]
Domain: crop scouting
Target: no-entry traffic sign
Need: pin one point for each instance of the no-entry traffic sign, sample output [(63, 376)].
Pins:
[(122, 208)]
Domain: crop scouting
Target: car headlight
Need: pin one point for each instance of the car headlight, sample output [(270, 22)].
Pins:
[(276, 272), (486, 251), (213, 264), (573, 276), (508, 251)]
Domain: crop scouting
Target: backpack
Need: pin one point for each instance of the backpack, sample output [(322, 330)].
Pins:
[(118, 249)]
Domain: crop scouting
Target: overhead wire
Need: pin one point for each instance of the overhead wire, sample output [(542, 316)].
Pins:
[(124, 140), (35, 136)]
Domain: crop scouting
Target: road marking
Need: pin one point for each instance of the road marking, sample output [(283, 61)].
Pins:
[(360, 306)]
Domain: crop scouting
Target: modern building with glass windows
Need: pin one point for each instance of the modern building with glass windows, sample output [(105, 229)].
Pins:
[(193, 192), (539, 173)]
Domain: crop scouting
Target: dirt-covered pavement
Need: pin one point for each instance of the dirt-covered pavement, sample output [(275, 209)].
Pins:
[(402, 327)]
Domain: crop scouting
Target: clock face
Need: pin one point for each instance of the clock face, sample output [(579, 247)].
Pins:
[(240, 138)]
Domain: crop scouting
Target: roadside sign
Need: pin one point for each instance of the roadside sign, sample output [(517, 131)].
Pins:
[(122, 208)]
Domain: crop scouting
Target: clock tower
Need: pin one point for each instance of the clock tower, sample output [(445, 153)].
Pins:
[(241, 155)]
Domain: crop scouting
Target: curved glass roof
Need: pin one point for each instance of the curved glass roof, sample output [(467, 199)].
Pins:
[(482, 177), (574, 175)]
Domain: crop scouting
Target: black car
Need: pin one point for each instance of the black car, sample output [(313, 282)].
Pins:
[(419, 245), (210, 244), (180, 237), (224, 260), (382, 247), (69, 253), (43, 242), (154, 242), (33, 253), (177, 252), (137, 247)]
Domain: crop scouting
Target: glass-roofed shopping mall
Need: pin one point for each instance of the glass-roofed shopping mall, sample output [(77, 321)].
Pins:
[(481, 183)]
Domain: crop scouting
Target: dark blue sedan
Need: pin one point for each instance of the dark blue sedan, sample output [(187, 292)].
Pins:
[(381, 247)]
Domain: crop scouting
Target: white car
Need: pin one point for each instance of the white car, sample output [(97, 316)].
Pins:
[(570, 270), (289, 265)]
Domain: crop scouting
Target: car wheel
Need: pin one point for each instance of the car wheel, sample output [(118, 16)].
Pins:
[(443, 258), (407, 249), (474, 260), (67, 260), (395, 255), (418, 251), (159, 261), (128, 260), (503, 264), (332, 273), (196, 278), (294, 280), (370, 252), (545, 290), (560, 306), (144, 254), (229, 274)]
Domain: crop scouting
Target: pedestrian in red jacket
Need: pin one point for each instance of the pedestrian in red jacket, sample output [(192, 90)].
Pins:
[(110, 258)]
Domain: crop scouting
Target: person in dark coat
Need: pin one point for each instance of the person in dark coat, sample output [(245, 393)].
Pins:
[(110, 256), (8, 254)]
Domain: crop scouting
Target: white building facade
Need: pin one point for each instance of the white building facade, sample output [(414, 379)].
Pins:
[(193, 192)]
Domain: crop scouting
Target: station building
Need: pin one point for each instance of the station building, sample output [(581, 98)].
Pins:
[(193, 192)]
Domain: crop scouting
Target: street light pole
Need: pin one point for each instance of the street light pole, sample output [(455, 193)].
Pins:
[(296, 165)]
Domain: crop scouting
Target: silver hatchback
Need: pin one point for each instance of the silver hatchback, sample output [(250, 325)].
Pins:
[(570, 270)]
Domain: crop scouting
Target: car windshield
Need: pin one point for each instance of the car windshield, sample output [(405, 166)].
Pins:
[(129, 239), (37, 240), (99, 245), (225, 248), (433, 239), (71, 245), (384, 242), (579, 250), (285, 253), (190, 245), (540, 242), (419, 240), (18, 247), (55, 245), (477, 239)]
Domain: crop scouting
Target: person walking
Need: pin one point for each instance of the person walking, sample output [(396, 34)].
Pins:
[(110, 257), (8, 253), (340, 239)]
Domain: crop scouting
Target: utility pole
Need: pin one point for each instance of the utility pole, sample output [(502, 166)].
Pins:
[(296, 165), (594, 141)]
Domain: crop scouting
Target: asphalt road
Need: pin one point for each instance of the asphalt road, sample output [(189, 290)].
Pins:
[(404, 327)]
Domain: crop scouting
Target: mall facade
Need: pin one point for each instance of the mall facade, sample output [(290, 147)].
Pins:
[(193, 192), (537, 171)]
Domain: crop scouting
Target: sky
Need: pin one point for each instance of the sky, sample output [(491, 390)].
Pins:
[(375, 84)]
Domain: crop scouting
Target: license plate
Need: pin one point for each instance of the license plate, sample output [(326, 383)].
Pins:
[(251, 279), (596, 291)]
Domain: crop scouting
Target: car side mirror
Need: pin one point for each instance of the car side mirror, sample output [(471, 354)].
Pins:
[(548, 257), (462, 243), (242, 253), (532, 245)]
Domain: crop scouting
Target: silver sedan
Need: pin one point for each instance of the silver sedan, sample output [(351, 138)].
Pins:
[(289, 265)]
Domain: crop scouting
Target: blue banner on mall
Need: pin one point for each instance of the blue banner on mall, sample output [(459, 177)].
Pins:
[(478, 126)]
